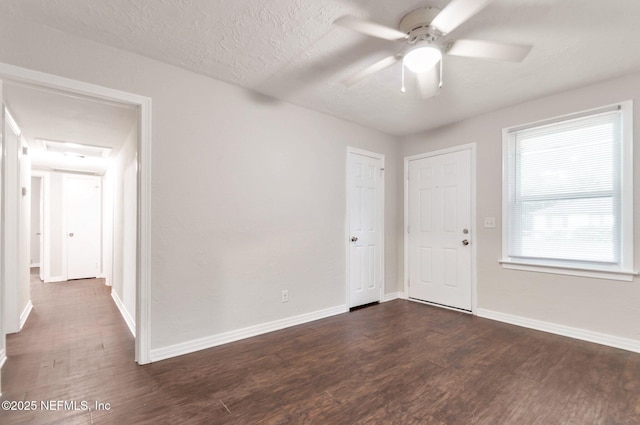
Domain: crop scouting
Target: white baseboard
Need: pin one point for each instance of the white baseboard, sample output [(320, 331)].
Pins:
[(52, 279), (107, 281), (554, 328), (187, 347), (35, 265), (131, 324), (25, 314), (392, 296)]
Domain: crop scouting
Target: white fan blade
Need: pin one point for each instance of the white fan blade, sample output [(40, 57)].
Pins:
[(489, 50), (371, 69), (457, 12), (369, 28), (428, 82)]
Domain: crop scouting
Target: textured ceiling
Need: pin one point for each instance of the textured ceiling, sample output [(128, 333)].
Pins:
[(289, 49)]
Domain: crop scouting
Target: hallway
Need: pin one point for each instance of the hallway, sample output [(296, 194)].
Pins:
[(74, 346)]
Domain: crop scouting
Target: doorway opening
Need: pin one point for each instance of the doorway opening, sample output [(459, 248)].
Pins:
[(140, 171)]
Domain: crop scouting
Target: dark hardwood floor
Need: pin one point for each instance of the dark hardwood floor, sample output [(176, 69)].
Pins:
[(394, 363)]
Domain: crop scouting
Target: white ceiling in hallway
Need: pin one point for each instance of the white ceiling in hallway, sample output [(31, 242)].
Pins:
[(71, 119), (290, 49)]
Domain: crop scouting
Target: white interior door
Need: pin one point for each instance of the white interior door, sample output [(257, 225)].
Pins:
[(439, 202), (365, 192), (82, 214)]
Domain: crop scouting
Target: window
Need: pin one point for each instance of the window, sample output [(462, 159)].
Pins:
[(567, 195)]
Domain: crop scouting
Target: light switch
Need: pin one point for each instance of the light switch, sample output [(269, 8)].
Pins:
[(489, 222)]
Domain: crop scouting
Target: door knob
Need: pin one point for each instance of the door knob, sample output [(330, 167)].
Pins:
[(465, 242), (70, 235), (354, 239)]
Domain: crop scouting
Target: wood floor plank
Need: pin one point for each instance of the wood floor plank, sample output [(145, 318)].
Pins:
[(394, 363)]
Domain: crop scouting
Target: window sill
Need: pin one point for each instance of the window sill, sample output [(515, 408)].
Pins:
[(626, 276)]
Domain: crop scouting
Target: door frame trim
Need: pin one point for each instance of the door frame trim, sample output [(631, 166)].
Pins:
[(347, 233), (143, 262), (471, 147)]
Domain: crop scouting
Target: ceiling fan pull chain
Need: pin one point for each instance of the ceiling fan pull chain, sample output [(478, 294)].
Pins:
[(440, 85), (403, 89)]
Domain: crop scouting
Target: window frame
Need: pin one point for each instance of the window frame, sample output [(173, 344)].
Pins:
[(623, 270)]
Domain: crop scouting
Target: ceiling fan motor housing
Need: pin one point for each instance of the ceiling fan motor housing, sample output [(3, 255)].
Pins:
[(417, 24)]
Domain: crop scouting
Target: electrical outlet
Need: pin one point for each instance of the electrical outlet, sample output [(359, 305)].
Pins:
[(489, 222), (285, 296)]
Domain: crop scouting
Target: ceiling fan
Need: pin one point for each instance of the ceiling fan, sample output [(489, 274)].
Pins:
[(424, 31)]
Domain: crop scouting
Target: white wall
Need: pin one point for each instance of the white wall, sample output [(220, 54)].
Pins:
[(35, 221), (248, 194), (55, 270), (106, 263), (122, 179), (129, 225), (16, 217), (3, 351), (24, 241), (10, 216), (603, 306), (3, 324)]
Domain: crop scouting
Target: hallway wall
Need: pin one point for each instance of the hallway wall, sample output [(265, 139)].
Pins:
[(122, 215)]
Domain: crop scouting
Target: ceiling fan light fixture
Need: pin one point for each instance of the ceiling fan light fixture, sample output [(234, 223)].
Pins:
[(422, 57)]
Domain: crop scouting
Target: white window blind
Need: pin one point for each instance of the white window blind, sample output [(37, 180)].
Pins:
[(564, 184)]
